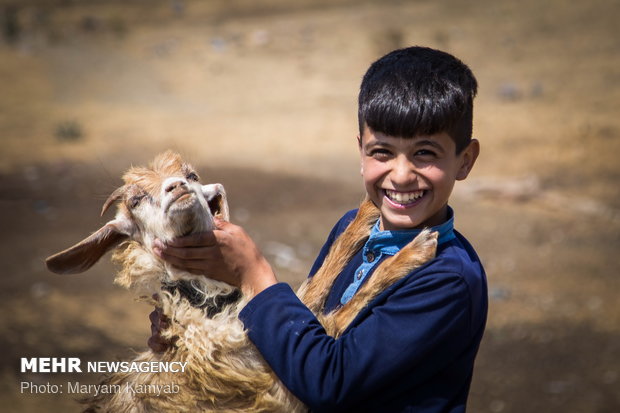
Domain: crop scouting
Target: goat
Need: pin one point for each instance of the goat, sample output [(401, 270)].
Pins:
[(225, 372)]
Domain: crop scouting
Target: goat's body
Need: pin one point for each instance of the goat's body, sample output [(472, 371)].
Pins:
[(251, 387), (223, 372)]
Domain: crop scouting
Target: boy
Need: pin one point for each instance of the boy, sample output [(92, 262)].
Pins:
[(413, 348)]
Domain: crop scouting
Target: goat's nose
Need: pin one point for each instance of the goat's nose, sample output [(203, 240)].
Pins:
[(174, 185)]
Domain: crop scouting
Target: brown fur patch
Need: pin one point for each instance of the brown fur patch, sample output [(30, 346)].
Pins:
[(314, 292)]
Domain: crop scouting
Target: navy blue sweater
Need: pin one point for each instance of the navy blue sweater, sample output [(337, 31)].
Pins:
[(411, 350)]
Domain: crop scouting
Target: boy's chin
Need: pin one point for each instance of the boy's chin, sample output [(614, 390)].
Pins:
[(393, 222)]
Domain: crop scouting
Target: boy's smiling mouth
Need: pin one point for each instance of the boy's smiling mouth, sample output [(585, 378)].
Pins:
[(403, 199)]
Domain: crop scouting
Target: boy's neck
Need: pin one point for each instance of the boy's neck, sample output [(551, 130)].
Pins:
[(437, 219)]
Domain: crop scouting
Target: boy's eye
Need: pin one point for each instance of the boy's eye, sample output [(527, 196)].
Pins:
[(380, 154), (425, 152)]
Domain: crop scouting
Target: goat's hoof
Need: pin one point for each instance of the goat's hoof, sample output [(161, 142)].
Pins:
[(426, 243)]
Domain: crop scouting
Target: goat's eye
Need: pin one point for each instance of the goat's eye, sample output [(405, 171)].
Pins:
[(134, 201), (192, 176)]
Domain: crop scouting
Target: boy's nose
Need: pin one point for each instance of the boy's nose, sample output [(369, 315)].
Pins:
[(403, 172)]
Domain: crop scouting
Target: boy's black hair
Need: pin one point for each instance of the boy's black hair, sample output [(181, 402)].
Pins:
[(418, 91)]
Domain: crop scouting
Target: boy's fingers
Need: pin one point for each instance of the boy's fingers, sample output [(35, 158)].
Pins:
[(197, 253), (194, 266), (175, 261), (221, 224), (200, 239)]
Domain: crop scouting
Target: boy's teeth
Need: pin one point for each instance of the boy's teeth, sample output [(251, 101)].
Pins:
[(403, 197)]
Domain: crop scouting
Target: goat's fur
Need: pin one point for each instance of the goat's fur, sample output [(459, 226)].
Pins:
[(314, 291), (224, 371)]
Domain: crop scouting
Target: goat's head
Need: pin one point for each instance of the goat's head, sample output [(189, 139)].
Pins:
[(162, 201)]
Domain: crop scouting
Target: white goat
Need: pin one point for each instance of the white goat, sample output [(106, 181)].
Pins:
[(224, 371)]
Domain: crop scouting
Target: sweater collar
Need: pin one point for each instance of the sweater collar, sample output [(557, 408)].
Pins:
[(390, 242)]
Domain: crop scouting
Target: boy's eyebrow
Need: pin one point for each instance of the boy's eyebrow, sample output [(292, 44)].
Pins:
[(425, 142), (376, 142), (417, 142)]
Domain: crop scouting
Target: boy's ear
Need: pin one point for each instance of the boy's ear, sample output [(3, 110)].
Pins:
[(359, 145), (468, 159)]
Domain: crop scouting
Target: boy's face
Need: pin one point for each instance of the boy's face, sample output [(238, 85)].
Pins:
[(410, 180)]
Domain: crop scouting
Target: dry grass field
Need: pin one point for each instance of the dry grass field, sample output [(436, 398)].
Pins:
[(261, 96)]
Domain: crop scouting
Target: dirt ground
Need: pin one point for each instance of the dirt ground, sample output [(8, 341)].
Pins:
[(261, 96)]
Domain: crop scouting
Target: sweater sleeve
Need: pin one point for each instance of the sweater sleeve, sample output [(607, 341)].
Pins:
[(415, 332)]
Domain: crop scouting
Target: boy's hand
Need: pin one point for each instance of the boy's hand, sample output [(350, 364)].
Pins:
[(225, 254), (159, 322)]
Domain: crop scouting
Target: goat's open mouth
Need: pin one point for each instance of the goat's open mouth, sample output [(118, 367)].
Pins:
[(186, 199), (215, 205)]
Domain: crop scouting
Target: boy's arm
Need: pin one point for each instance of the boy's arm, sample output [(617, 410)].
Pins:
[(421, 328)]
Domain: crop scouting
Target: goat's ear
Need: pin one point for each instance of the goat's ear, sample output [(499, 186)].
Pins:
[(216, 198), (87, 252)]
